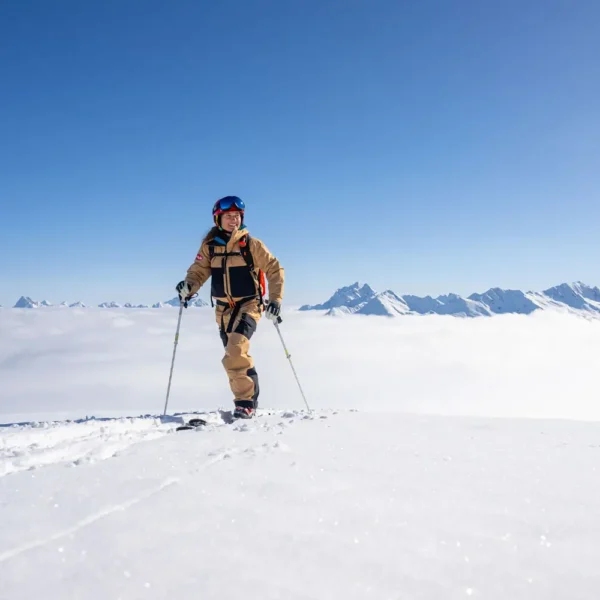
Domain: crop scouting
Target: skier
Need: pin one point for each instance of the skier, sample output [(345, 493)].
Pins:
[(237, 264)]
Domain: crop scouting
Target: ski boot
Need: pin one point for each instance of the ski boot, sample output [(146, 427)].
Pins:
[(244, 409)]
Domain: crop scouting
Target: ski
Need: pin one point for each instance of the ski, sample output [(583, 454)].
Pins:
[(191, 424), (227, 417)]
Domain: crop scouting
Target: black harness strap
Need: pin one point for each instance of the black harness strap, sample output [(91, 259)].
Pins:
[(211, 253), (241, 301), (234, 314), (247, 255)]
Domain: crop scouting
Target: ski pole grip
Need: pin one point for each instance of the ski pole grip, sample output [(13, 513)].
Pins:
[(188, 299), (279, 320)]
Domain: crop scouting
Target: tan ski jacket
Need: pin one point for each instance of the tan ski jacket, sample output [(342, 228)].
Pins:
[(232, 280)]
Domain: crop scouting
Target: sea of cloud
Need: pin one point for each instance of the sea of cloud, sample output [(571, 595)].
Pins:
[(71, 363)]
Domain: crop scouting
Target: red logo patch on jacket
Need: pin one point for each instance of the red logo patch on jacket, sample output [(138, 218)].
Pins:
[(198, 256)]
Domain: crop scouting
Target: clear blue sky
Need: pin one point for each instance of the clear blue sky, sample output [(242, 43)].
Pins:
[(424, 146)]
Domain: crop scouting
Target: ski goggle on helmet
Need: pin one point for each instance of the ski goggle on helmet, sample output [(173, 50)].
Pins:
[(227, 204)]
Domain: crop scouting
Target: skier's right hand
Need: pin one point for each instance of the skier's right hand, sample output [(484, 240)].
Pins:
[(184, 290)]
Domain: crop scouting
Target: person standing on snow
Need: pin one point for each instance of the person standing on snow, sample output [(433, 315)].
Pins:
[(236, 262)]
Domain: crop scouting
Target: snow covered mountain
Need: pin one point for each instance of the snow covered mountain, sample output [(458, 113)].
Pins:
[(361, 299), (577, 295), (112, 304), (449, 304), (27, 302), (198, 303), (506, 301), (350, 297), (383, 304)]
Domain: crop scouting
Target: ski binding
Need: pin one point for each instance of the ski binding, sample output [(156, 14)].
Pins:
[(192, 424)]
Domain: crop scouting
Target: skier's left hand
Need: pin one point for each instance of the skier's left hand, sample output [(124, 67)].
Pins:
[(184, 290), (273, 311)]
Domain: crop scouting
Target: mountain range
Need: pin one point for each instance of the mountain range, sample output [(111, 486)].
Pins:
[(26, 302), (361, 299)]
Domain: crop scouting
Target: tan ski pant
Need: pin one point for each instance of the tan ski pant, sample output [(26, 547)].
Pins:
[(236, 326)]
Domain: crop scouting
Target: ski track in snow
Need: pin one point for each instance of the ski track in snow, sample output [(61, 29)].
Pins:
[(35, 445), (85, 522)]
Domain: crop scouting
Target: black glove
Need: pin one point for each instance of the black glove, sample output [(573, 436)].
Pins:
[(184, 290), (273, 311)]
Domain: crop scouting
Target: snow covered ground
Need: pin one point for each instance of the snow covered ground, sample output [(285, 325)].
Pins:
[(416, 476)]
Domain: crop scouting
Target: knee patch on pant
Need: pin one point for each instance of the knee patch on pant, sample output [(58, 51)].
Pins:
[(246, 326)]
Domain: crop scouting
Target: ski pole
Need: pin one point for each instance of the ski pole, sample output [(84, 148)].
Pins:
[(289, 357), (181, 305)]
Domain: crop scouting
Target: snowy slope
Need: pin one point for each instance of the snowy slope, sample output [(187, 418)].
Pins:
[(36, 444), (345, 505), (385, 304), (339, 311), (589, 292)]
